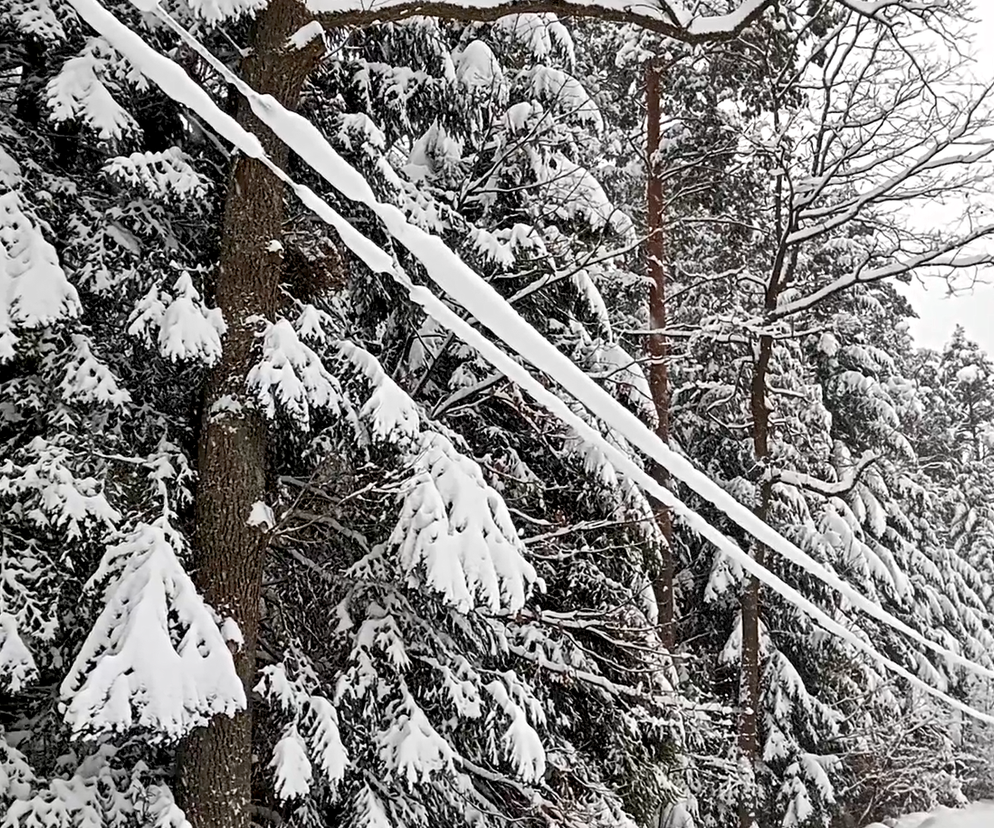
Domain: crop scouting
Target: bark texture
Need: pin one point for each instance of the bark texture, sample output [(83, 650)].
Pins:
[(781, 272), (657, 345), (215, 762), (751, 596)]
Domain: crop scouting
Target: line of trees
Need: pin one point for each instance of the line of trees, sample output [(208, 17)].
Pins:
[(419, 599)]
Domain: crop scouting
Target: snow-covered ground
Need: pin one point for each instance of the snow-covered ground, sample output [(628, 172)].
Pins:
[(980, 815)]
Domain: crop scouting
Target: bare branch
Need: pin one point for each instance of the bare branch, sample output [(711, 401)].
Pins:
[(948, 255)]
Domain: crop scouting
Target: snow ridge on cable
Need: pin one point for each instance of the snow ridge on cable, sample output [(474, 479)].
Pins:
[(463, 284)]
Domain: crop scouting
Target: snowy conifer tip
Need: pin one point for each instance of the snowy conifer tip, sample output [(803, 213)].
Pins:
[(155, 658), (17, 665), (34, 290), (456, 533), (290, 376), (311, 747), (182, 326)]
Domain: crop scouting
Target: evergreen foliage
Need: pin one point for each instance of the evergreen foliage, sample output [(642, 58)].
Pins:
[(458, 622)]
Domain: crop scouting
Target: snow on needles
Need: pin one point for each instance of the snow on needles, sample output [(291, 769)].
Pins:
[(155, 657), (17, 665), (311, 741), (291, 374), (469, 290), (978, 815), (626, 466), (456, 528), (181, 325), (34, 290), (669, 11), (448, 271), (454, 533)]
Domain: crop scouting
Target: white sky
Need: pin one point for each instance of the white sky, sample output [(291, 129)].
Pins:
[(974, 309)]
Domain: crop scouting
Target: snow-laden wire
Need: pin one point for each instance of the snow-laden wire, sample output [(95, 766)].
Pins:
[(444, 315), (490, 308), (474, 294)]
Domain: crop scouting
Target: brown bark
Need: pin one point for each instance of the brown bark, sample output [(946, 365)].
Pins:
[(781, 272), (751, 605), (656, 344), (751, 594), (215, 762)]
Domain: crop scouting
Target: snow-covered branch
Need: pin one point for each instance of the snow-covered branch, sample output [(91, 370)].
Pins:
[(667, 17), (948, 256), (813, 484)]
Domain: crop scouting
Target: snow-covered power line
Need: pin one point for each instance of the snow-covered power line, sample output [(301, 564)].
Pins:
[(470, 291), (464, 285)]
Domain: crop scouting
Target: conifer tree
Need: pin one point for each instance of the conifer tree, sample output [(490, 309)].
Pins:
[(273, 538)]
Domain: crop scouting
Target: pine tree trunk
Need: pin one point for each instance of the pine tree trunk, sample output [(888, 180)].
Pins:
[(749, 700), (781, 273), (215, 762), (657, 346)]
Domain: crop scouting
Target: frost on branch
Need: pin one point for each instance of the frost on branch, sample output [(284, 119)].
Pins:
[(155, 657), (78, 91), (292, 768), (51, 495), (218, 11), (35, 17), (456, 534), (17, 665), (102, 790), (160, 174), (87, 379), (310, 749), (391, 415), (34, 291), (411, 747), (522, 743)]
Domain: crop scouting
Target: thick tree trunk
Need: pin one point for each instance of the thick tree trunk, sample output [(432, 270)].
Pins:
[(657, 346), (215, 763)]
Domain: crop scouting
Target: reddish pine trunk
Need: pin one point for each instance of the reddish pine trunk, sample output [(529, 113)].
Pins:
[(657, 346), (749, 701)]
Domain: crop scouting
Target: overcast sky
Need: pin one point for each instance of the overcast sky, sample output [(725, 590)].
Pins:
[(974, 310)]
